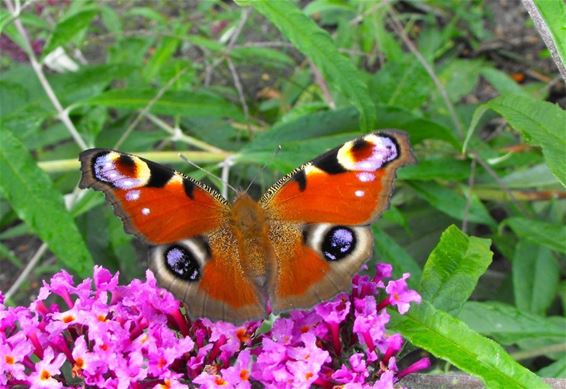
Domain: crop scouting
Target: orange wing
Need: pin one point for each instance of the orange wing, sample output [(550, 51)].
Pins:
[(350, 184), (324, 208), (197, 257), (156, 203)]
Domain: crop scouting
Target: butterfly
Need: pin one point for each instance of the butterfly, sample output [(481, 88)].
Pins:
[(299, 245)]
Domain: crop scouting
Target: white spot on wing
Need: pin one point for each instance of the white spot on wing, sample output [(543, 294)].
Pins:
[(133, 195), (365, 176), (359, 193), (145, 211)]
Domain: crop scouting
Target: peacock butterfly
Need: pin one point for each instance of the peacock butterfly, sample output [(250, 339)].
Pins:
[(300, 244)]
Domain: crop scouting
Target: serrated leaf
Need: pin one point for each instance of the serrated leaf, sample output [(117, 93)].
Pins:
[(68, 28), (452, 340), (318, 46), (453, 269), (509, 325), (541, 123), (537, 232), (554, 15), (30, 192), (183, 103), (452, 203), (536, 275)]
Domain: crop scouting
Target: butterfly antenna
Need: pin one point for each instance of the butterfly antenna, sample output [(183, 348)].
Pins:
[(262, 169), (223, 179)]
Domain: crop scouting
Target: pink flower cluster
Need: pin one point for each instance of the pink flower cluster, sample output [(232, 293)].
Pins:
[(103, 334)]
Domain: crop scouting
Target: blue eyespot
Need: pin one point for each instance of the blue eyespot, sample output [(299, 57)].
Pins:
[(338, 242), (182, 263)]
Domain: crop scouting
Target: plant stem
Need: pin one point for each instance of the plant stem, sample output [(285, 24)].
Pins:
[(62, 113)]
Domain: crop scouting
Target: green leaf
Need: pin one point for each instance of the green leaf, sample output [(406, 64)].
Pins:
[(30, 192), (390, 251), (536, 275), (502, 82), (554, 14), (452, 340), (541, 123), (403, 83), (6, 253), (533, 177), (418, 128), (556, 369), (453, 268), (316, 125), (261, 55), (318, 46), (460, 77), (68, 28), (111, 19), (162, 54), (537, 232), (148, 13), (5, 18), (443, 168), (345, 121), (509, 325), (181, 103), (452, 203)]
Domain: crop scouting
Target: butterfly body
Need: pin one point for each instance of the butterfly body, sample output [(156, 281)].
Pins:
[(298, 245)]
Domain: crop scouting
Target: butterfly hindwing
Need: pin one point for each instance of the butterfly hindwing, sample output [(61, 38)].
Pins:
[(208, 277), (330, 203), (312, 269)]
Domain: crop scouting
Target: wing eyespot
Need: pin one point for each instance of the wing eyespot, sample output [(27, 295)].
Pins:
[(182, 263), (333, 242), (337, 243)]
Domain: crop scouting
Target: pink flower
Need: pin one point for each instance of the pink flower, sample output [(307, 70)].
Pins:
[(136, 335), (46, 369), (334, 311), (400, 295), (238, 375), (12, 353), (356, 373)]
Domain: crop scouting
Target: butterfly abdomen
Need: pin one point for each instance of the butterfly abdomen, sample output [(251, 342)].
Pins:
[(250, 228)]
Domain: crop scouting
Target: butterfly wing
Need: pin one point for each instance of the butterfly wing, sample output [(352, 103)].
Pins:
[(184, 219), (156, 204), (320, 215)]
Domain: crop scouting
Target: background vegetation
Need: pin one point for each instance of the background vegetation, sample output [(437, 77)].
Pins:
[(478, 222)]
